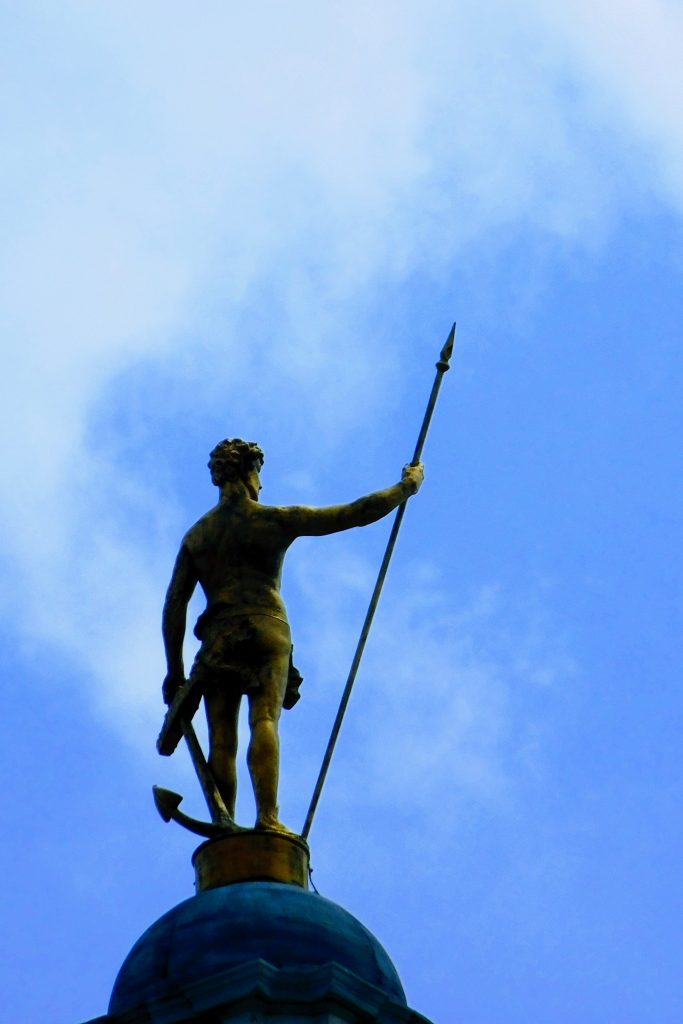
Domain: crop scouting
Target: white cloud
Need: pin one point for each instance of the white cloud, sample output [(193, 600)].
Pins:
[(628, 56), (166, 164)]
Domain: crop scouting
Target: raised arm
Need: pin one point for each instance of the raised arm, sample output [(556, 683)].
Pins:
[(180, 590), (315, 522)]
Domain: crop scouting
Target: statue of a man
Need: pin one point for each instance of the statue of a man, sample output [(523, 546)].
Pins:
[(235, 552)]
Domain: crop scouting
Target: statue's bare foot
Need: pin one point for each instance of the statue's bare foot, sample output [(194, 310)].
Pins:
[(273, 825)]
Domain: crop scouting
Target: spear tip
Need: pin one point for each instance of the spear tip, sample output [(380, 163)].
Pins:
[(447, 351)]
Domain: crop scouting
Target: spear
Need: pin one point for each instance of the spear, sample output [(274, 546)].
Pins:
[(442, 366)]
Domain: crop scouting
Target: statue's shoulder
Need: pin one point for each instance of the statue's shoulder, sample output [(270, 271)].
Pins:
[(203, 528), (275, 517), (226, 516)]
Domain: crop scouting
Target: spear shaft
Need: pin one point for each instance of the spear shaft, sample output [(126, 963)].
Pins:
[(442, 366)]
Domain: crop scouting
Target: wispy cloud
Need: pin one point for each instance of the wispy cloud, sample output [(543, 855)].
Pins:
[(185, 172), (627, 58), (453, 698)]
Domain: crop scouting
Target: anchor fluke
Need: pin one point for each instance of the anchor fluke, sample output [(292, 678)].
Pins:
[(168, 805), (166, 802)]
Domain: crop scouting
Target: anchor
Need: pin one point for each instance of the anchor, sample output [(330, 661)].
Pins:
[(176, 724), (167, 803)]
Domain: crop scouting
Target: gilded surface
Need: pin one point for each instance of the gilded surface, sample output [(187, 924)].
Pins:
[(235, 553), (250, 856)]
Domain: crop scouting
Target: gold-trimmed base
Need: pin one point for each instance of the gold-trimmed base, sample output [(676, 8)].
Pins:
[(250, 856)]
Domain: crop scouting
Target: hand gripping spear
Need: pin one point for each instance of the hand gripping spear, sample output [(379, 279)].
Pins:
[(442, 366)]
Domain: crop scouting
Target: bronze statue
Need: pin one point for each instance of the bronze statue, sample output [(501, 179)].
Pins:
[(235, 552)]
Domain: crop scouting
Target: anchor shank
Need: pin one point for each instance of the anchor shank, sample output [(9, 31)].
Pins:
[(218, 810)]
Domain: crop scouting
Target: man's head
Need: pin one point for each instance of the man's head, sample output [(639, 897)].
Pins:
[(234, 460)]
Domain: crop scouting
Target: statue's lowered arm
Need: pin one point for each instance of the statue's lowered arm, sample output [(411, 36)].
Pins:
[(174, 618)]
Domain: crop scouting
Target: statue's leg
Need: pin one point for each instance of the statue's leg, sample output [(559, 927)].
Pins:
[(222, 714), (273, 643)]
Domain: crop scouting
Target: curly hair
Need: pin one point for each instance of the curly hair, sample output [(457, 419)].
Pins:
[(233, 459)]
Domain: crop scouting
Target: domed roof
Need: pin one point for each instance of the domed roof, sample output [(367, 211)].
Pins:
[(237, 924)]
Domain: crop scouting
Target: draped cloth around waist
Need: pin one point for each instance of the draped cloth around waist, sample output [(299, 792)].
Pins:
[(234, 644)]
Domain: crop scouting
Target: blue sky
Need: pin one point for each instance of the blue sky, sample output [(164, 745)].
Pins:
[(262, 223)]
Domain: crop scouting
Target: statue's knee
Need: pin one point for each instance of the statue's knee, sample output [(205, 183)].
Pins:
[(263, 719)]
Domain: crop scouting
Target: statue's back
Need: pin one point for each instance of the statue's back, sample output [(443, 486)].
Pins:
[(237, 549)]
